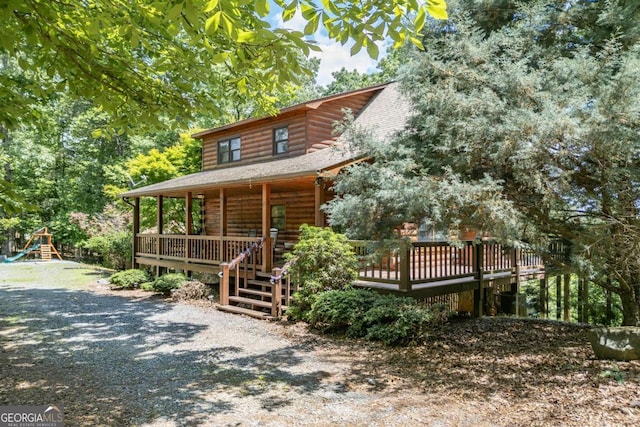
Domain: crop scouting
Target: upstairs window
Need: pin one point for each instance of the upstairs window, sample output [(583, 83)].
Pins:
[(229, 150), (281, 140)]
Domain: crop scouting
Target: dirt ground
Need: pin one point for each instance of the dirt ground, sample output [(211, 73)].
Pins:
[(497, 371), (130, 358)]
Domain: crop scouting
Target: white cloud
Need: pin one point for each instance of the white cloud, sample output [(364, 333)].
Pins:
[(333, 56)]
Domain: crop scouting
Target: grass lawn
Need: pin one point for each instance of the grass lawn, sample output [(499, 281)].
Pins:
[(65, 274)]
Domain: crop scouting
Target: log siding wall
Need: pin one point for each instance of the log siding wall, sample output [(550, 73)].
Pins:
[(244, 213), (309, 130)]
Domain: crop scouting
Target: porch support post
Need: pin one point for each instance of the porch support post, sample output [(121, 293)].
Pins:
[(160, 225), (223, 213), (319, 199), (267, 249), (160, 214), (188, 225), (188, 211), (136, 231)]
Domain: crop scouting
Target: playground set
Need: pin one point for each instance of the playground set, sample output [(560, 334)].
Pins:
[(39, 242)]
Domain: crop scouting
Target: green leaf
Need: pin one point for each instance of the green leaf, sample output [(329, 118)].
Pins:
[(372, 49), (421, 19), (356, 47), (331, 6), (308, 11), (289, 11), (262, 7), (242, 85), (211, 5), (416, 42), (312, 25), (174, 12), (245, 36), (227, 23), (212, 23), (437, 9)]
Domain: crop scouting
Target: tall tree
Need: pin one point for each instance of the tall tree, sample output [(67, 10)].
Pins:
[(525, 127), (145, 59)]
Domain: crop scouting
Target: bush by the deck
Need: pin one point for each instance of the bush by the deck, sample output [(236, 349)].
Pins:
[(324, 260), (128, 279), (167, 282), (361, 313)]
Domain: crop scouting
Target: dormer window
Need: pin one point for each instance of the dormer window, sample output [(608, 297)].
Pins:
[(229, 150), (281, 140)]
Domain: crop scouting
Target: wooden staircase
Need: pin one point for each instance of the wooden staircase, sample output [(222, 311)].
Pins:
[(258, 297), (246, 289)]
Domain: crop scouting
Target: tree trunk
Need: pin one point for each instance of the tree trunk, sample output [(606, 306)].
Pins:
[(631, 306), (6, 175)]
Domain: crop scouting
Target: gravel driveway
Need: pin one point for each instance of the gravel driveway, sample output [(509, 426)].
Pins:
[(112, 360), (124, 358)]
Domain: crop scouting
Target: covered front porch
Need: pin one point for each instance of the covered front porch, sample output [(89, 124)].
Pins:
[(226, 210), (229, 221)]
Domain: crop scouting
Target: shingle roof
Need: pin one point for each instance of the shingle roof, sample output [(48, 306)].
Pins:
[(383, 116)]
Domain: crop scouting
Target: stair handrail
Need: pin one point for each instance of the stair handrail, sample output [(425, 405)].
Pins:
[(278, 274), (283, 271), (247, 252), (225, 268)]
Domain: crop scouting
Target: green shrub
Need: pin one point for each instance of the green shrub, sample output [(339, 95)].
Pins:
[(114, 248), (147, 286), (167, 282), (128, 279), (324, 260), (361, 313), (342, 311), (303, 299)]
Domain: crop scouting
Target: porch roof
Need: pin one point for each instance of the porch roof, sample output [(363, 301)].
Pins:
[(385, 115), (255, 173)]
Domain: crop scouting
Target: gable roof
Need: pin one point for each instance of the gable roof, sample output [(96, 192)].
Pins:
[(385, 115), (309, 105)]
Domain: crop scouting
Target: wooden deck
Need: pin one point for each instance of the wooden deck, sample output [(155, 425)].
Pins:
[(423, 269), (426, 269)]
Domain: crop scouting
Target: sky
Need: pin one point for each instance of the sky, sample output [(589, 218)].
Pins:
[(333, 56)]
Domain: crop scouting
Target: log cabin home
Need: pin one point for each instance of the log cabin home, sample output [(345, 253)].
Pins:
[(263, 177)]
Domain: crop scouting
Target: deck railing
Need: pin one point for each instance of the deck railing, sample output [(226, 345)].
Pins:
[(424, 262), (198, 249)]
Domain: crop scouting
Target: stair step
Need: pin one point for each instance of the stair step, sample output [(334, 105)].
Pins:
[(267, 275), (239, 310), (250, 301), (259, 283), (254, 292)]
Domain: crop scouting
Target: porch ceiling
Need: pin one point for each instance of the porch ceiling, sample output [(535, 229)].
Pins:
[(277, 172)]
